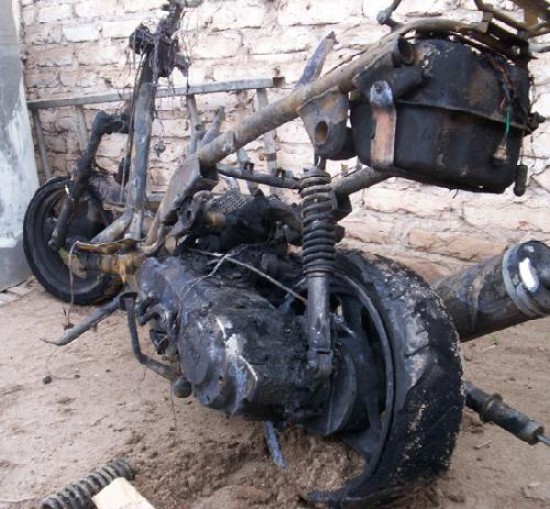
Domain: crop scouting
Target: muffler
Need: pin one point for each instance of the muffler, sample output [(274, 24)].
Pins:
[(499, 292)]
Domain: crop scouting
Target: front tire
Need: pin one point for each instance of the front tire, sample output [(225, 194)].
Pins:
[(46, 264)]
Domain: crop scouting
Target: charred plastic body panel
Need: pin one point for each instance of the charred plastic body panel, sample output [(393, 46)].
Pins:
[(461, 126)]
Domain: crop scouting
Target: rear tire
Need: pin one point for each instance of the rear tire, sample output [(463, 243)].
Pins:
[(47, 264), (421, 409)]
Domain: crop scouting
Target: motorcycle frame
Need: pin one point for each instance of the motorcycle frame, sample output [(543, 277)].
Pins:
[(202, 169), (275, 115)]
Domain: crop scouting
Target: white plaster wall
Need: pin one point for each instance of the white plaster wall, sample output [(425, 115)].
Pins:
[(18, 177)]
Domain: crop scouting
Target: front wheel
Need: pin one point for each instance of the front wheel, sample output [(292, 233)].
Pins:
[(48, 265), (398, 343)]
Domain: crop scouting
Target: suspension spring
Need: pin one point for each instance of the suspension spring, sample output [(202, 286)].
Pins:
[(318, 248), (319, 236), (79, 495)]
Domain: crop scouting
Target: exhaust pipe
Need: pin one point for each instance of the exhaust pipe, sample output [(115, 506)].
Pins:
[(499, 292)]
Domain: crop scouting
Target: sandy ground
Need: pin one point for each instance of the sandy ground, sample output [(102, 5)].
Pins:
[(102, 404)]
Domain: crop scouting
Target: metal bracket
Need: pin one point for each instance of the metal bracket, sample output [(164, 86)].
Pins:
[(384, 17), (325, 117), (385, 121)]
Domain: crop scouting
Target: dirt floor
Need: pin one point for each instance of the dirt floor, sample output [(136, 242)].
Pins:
[(100, 404)]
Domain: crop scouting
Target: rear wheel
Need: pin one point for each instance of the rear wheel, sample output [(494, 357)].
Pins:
[(398, 348), (47, 264)]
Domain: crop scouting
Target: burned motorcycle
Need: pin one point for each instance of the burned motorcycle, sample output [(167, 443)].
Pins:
[(252, 306)]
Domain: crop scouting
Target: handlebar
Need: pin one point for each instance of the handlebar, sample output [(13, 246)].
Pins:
[(535, 10)]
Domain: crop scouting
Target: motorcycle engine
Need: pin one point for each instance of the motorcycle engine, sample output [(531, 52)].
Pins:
[(238, 351)]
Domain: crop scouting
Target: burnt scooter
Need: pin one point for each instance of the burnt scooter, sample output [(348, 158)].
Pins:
[(340, 343)]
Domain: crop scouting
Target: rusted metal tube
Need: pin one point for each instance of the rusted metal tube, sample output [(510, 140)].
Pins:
[(286, 109), (360, 179), (491, 408), (85, 325), (538, 7), (115, 230), (499, 292), (143, 120), (282, 181)]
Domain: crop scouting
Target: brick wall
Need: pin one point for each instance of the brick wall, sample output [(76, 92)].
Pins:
[(76, 47)]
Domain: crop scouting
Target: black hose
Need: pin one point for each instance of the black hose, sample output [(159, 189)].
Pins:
[(161, 369), (79, 495)]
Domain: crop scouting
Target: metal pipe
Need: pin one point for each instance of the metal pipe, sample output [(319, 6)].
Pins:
[(270, 153), (538, 7), (384, 17), (214, 130), (115, 230), (491, 408), (499, 292), (195, 127), (360, 179), (86, 324), (82, 128), (124, 95), (282, 180), (143, 127), (483, 7)]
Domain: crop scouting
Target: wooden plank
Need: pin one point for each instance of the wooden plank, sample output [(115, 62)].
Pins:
[(82, 128), (20, 291), (193, 112), (120, 494), (269, 137), (39, 133), (6, 298), (206, 88)]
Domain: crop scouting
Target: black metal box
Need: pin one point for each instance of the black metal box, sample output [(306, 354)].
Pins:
[(462, 127)]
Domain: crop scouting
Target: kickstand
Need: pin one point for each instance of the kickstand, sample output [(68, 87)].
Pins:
[(273, 445)]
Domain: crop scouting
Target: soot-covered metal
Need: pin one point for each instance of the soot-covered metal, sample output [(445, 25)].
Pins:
[(464, 132), (239, 352)]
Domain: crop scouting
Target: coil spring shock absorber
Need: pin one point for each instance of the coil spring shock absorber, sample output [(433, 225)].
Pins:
[(318, 248), (79, 495)]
